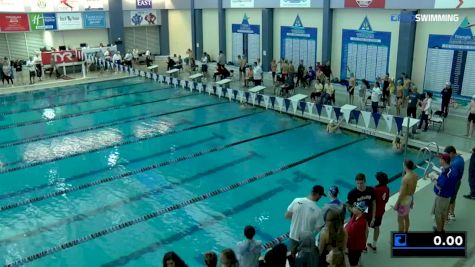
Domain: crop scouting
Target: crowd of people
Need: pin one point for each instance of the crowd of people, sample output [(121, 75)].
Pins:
[(12, 70), (319, 236)]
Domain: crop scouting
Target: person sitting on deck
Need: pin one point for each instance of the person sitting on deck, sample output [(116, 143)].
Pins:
[(287, 86)]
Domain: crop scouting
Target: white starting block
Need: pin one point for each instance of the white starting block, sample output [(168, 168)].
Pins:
[(196, 76), (223, 82), (257, 89), (297, 98), (173, 72), (153, 67)]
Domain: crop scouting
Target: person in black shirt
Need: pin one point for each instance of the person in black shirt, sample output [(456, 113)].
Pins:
[(18, 66), (363, 193), (300, 73), (446, 94), (412, 103), (170, 63), (386, 93)]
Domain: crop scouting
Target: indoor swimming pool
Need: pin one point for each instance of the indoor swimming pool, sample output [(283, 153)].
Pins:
[(117, 173)]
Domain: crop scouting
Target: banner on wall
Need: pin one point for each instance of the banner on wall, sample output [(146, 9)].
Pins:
[(42, 21), (42, 5), (143, 18), (94, 20), (298, 43), (246, 40), (69, 21), (294, 3), (93, 4), (365, 52), (67, 5), (364, 3), (60, 57), (454, 4), (242, 3), (12, 6), (141, 4), (451, 58), (14, 22)]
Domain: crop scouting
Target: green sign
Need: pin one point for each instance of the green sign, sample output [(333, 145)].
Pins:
[(37, 21)]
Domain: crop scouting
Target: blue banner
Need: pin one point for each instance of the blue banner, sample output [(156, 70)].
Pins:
[(365, 52), (94, 20), (298, 43), (246, 40), (50, 21)]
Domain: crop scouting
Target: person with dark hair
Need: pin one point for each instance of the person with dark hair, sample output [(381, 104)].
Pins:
[(471, 176), (211, 259), (170, 63), (228, 258), (444, 190), (333, 235), (375, 97), (300, 74), (305, 216), (412, 103), (457, 164), (334, 203), (446, 94), (249, 250), (381, 194), (405, 200), (171, 259), (276, 257), (398, 144), (357, 229), (426, 107)]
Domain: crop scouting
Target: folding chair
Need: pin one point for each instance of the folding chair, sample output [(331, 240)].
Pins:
[(437, 118)]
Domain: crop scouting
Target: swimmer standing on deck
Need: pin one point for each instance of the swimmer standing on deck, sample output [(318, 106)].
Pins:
[(405, 200)]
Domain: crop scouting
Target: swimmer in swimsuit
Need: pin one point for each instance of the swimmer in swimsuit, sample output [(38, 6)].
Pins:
[(406, 196), (398, 145)]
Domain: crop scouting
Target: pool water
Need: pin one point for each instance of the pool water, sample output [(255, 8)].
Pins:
[(117, 173)]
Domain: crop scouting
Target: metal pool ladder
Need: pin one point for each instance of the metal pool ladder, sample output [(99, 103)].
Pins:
[(425, 156)]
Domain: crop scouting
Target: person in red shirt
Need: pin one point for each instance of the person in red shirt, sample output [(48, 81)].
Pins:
[(357, 233), (381, 194)]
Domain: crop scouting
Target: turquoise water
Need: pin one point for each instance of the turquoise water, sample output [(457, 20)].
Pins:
[(74, 163)]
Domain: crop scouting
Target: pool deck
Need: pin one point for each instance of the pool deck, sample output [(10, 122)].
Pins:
[(421, 219)]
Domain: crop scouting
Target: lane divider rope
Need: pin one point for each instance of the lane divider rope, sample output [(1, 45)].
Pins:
[(143, 169), (171, 208)]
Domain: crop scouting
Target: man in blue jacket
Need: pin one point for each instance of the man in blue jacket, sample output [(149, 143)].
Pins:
[(471, 176), (444, 189), (457, 165)]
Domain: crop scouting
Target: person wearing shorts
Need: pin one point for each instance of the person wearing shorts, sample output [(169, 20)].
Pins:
[(381, 194), (444, 190)]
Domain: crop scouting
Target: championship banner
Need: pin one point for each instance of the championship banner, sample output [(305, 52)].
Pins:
[(364, 3), (14, 23)]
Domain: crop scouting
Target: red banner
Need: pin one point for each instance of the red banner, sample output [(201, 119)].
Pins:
[(364, 3), (14, 23), (66, 56)]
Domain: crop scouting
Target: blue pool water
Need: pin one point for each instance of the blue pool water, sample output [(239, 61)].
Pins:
[(100, 174)]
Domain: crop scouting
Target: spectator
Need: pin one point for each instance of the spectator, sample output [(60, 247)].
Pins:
[(426, 107), (318, 91), (336, 258), (18, 68), (357, 229), (307, 254), (330, 91), (38, 66), (211, 259), (405, 200), (249, 249), (128, 59), (351, 89), (30, 64), (457, 164), (300, 74), (117, 58), (305, 216), (446, 94), (471, 176), (7, 72), (471, 118), (257, 74), (273, 68), (171, 259), (311, 76), (107, 55), (276, 257), (228, 258), (444, 189), (221, 59), (135, 55), (381, 194), (375, 97), (287, 86), (333, 235)]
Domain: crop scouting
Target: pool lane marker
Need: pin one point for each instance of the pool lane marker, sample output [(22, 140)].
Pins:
[(114, 145), (174, 207), (128, 200), (92, 111), (143, 169), (100, 126), (81, 101), (66, 88)]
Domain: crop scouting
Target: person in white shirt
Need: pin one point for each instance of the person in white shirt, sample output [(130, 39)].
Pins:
[(305, 216), (128, 59), (249, 250), (221, 59), (38, 65), (30, 64), (107, 55), (204, 64), (426, 105), (117, 58), (375, 97), (135, 54), (257, 74)]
